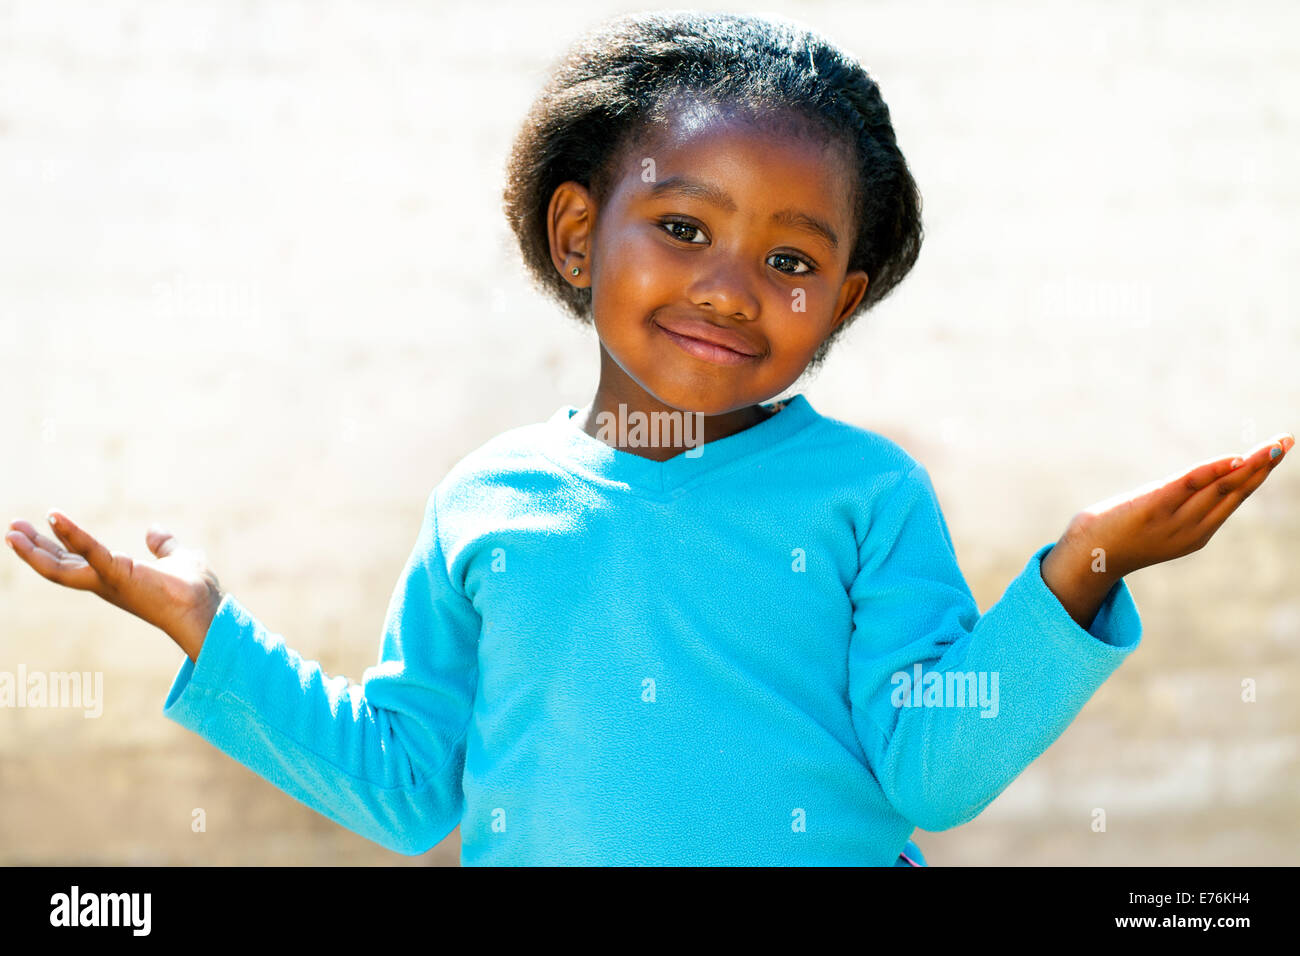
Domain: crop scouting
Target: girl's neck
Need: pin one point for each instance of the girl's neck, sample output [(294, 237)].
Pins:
[(613, 422)]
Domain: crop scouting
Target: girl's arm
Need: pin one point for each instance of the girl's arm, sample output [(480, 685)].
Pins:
[(383, 757), (950, 705)]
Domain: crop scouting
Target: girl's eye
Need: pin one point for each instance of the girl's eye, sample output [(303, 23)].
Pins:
[(803, 262), (670, 225)]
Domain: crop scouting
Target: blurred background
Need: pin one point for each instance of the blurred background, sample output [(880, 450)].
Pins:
[(256, 284)]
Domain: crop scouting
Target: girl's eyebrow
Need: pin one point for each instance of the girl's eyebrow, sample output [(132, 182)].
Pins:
[(715, 195)]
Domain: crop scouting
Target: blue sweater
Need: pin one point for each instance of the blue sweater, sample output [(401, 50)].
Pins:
[(762, 654)]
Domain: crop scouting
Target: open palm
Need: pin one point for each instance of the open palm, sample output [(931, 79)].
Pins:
[(1175, 515), (175, 590)]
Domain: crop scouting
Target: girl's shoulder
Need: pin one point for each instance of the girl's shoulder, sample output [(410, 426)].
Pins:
[(868, 452), (509, 452), (508, 473)]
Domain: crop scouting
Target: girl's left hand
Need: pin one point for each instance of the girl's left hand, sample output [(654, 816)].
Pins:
[(1170, 517)]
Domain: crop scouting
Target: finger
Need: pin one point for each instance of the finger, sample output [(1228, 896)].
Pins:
[(110, 570), (1217, 515), (160, 541), (1180, 489), (55, 548), (1283, 440), (69, 570), (1255, 475), (1195, 509)]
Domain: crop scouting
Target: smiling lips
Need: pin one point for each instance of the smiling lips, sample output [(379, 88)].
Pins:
[(707, 341)]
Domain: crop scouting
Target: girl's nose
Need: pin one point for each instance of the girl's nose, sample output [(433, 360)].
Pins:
[(727, 287)]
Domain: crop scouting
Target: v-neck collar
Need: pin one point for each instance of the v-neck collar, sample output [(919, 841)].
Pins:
[(568, 445)]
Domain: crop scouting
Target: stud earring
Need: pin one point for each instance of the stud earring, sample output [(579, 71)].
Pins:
[(575, 271)]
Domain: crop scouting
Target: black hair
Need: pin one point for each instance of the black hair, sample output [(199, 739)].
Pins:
[(619, 82)]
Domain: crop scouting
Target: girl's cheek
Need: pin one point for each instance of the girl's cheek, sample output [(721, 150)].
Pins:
[(655, 255), (798, 305), (637, 277), (804, 331), (648, 265), (634, 252)]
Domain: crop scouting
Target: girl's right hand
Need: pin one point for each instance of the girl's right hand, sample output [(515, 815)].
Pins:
[(177, 593)]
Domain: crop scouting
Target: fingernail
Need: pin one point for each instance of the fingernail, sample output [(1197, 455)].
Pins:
[(9, 541), (1236, 463), (51, 519), (1274, 452)]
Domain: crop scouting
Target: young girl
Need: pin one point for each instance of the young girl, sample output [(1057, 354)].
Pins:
[(749, 644)]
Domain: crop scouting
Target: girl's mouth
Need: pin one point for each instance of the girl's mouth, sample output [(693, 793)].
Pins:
[(708, 351)]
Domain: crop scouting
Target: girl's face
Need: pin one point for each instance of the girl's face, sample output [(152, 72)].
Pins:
[(718, 230)]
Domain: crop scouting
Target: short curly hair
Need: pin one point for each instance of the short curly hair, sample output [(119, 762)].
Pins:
[(621, 80)]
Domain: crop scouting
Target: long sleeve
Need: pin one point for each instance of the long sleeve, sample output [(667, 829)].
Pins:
[(943, 747), (383, 758)]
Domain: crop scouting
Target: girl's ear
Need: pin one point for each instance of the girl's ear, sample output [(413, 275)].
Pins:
[(569, 221), (852, 289)]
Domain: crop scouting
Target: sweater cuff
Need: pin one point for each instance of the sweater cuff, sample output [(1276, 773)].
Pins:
[(1114, 633), (191, 692)]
